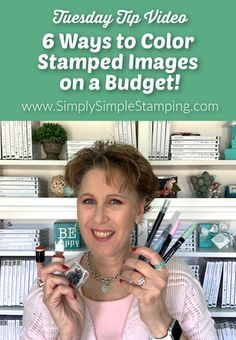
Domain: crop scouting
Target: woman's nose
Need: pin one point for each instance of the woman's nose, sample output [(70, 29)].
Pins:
[(100, 215)]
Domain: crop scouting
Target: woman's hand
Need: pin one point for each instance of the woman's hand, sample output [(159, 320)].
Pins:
[(63, 302), (151, 295)]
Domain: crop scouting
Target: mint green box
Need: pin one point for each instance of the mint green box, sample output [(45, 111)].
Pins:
[(68, 231), (230, 154), (233, 127), (205, 235), (233, 143)]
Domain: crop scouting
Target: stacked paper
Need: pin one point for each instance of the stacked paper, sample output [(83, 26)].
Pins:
[(194, 147), (23, 239), (27, 186), (73, 146)]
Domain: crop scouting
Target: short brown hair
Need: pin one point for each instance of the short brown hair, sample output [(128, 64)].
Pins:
[(136, 171)]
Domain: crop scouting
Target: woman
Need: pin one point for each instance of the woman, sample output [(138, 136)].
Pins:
[(124, 297)]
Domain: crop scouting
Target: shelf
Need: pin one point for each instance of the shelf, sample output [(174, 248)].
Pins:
[(11, 310), (48, 252), (33, 164), (200, 209), (219, 164), (60, 164), (215, 312), (222, 312), (209, 253), (42, 208), (50, 208)]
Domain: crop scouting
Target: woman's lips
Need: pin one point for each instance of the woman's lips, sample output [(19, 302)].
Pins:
[(102, 235)]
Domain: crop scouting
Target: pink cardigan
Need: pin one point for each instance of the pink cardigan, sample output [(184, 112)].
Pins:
[(184, 300)]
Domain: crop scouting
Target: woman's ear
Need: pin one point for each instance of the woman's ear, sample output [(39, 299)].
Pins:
[(140, 212)]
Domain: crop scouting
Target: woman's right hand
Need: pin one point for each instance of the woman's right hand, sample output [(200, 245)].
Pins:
[(63, 302)]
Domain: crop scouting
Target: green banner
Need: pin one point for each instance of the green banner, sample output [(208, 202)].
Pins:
[(105, 60)]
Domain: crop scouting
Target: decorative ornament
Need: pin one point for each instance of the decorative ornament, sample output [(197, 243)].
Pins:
[(68, 191), (170, 188), (205, 186), (52, 150), (56, 186), (215, 234)]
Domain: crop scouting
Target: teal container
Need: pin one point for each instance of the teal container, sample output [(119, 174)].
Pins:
[(205, 236), (233, 143), (234, 132), (230, 154)]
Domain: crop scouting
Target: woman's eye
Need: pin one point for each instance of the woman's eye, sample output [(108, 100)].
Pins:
[(88, 201), (115, 201)]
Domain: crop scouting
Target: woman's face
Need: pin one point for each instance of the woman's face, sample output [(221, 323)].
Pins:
[(106, 214)]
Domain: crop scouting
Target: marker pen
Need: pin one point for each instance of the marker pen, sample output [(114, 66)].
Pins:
[(157, 223), (39, 258), (158, 244), (179, 242), (156, 226), (169, 237)]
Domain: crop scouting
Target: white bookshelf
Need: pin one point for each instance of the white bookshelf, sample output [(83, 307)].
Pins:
[(208, 253), (204, 209), (218, 164), (191, 209), (11, 311), (44, 208), (222, 313), (31, 164), (181, 254), (48, 164), (215, 312), (49, 251), (224, 171)]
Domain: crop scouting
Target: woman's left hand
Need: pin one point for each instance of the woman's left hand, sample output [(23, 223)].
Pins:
[(151, 294)]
